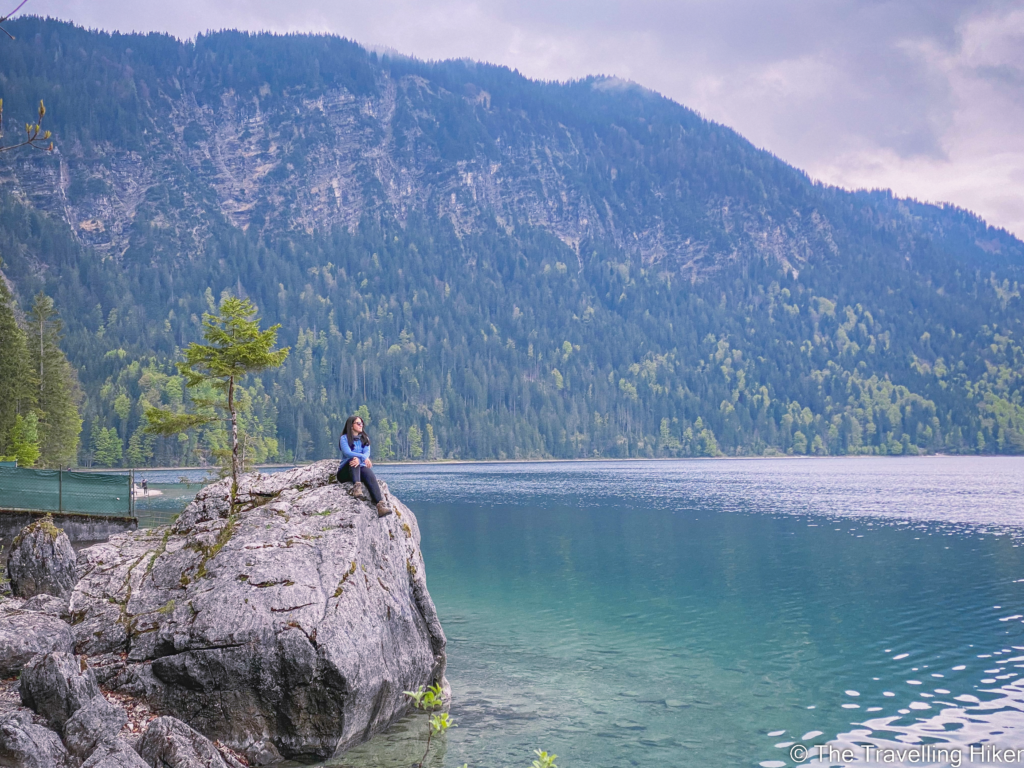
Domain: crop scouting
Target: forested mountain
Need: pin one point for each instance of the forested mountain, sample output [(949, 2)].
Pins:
[(493, 266)]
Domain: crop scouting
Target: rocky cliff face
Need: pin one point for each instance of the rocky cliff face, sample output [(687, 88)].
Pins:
[(296, 135), (328, 160), (287, 628)]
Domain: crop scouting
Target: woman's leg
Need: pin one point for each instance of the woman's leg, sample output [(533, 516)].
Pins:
[(370, 481), (345, 473)]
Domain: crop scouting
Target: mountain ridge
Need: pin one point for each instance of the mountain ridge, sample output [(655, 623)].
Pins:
[(187, 169)]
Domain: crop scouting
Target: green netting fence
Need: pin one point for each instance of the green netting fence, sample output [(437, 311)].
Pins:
[(57, 490)]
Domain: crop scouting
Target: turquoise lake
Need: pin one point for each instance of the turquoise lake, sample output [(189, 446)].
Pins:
[(719, 613)]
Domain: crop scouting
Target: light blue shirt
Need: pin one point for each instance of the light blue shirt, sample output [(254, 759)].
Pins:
[(358, 451)]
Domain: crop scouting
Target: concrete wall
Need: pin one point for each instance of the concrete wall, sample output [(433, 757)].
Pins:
[(77, 527)]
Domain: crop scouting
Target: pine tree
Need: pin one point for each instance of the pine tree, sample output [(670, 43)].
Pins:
[(107, 448), (24, 440), (57, 386), (123, 408), (415, 441), (140, 448), (431, 442), (237, 348), (16, 391)]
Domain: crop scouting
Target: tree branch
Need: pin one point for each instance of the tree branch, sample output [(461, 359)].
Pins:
[(5, 18), (34, 133)]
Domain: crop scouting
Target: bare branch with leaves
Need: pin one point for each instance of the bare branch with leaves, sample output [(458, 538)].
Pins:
[(9, 15), (35, 136)]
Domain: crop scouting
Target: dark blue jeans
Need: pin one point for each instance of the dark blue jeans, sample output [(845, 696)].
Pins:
[(364, 475)]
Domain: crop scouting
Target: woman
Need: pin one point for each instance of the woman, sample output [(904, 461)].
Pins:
[(357, 467)]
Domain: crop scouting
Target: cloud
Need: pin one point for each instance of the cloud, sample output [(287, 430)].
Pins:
[(981, 166), (923, 96)]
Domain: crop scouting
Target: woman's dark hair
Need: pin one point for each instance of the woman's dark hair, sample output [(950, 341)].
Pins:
[(365, 438)]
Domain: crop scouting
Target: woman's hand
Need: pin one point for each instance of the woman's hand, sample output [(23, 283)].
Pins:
[(354, 463), (369, 463)]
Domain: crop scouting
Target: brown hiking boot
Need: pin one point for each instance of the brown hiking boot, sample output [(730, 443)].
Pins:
[(383, 509), (359, 492)]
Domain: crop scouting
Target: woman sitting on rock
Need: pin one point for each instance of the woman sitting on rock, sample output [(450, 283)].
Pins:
[(357, 467)]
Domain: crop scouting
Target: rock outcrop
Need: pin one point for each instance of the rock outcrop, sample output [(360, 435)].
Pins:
[(25, 744), (42, 561), (56, 685), (24, 634), (115, 753), (48, 604), (286, 626), (170, 743), (95, 723)]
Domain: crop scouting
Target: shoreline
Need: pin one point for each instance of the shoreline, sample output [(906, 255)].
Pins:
[(692, 458), (590, 459)]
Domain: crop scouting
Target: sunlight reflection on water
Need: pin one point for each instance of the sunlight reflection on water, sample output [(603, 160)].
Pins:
[(718, 613)]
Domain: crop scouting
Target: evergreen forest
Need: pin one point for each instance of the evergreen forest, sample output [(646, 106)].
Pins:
[(484, 266)]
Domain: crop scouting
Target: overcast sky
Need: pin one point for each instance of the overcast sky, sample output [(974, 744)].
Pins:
[(923, 96)]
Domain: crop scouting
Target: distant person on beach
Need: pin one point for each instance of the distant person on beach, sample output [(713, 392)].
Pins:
[(356, 467), (145, 487)]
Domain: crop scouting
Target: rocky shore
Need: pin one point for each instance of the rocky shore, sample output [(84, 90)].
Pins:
[(286, 626)]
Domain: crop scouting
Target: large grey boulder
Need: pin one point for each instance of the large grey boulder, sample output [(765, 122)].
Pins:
[(170, 743), (56, 685), (287, 628), (42, 561), (24, 744), (96, 722), (24, 634)]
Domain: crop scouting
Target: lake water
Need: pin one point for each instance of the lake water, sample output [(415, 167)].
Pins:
[(720, 613), (716, 613)]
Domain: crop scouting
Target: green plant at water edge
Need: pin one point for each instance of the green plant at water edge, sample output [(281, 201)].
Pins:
[(429, 699), (426, 699), (439, 724)]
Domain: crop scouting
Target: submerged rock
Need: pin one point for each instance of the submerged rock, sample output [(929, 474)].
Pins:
[(42, 561), (288, 627)]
